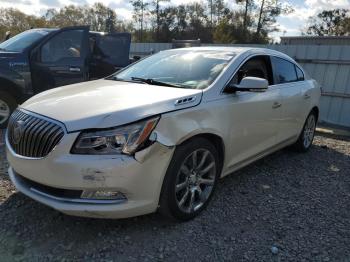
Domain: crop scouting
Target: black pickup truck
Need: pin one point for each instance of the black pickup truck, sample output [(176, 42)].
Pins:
[(40, 59)]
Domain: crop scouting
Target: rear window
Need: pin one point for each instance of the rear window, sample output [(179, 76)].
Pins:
[(284, 70)]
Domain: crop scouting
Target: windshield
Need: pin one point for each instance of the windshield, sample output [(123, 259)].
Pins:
[(195, 69), (21, 41)]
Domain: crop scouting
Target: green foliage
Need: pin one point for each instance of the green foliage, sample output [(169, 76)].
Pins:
[(334, 22), (15, 21), (223, 33), (160, 21)]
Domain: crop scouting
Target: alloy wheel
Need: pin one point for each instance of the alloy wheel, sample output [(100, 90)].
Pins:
[(195, 180), (309, 131), (4, 111)]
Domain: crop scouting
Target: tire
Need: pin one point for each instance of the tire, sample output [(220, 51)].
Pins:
[(307, 134), (7, 105), (192, 175)]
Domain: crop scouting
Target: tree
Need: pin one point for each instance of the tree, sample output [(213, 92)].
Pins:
[(330, 22), (15, 21), (268, 12), (211, 11), (67, 16), (248, 5), (98, 16), (157, 13), (224, 33), (140, 7), (209, 20), (197, 23), (220, 7), (101, 18)]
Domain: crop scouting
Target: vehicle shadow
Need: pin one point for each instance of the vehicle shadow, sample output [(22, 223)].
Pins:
[(285, 197)]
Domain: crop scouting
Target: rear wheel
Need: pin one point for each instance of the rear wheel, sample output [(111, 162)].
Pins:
[(307, 135), (190, 180), (7, 105)]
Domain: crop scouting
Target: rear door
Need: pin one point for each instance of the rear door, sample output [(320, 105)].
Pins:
[(293, 102), (61, 59), (110, 53)]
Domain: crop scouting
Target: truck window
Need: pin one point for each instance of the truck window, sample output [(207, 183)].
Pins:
[(114, 49), (66, 44), (108, 46), (23, 40)]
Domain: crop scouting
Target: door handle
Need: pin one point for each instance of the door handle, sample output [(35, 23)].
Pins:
[(276, 105), (74, 69), (307, 96)]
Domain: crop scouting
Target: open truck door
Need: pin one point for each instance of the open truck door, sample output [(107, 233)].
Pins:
[(110, 52), (61, 59)]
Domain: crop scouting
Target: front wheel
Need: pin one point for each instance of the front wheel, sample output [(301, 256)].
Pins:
[(307, 135), (7, 105), (190, 180)]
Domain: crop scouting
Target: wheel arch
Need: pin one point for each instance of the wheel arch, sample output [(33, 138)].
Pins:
[(217, 142), (316, 110)]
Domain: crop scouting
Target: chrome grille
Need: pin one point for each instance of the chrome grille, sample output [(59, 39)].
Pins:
[(32, 136)]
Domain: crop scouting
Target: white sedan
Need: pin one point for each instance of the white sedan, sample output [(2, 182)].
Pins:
[(160, 133)]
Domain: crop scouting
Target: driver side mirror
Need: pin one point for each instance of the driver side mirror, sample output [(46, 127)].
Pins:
[(249, 84)]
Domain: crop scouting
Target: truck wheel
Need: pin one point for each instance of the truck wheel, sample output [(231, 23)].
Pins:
[(190, 180), (7, 105)]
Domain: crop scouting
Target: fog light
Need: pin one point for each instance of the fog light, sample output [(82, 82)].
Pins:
[(102, 195)]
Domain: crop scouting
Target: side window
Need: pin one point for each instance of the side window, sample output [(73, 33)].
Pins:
[(258, 66), (66, 44), (284, 70), (300, 74), (108, 44)]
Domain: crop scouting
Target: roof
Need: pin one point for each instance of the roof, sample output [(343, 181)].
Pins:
[(237, 50)]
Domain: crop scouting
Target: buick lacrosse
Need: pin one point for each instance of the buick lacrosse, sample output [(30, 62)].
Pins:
[(160, 133)]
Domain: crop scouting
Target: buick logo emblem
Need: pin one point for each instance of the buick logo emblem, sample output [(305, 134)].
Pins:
[(17, 131)]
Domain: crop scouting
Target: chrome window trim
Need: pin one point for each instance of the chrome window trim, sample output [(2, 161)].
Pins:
[(270, 55)]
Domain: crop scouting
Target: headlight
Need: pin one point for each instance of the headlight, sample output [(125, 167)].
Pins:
[(126, 139)]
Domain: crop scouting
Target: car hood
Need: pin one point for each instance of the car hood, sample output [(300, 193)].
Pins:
[(8, 57), (107, 103)]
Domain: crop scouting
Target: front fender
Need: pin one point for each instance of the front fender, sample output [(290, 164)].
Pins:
[(176, 127), (10, 76)]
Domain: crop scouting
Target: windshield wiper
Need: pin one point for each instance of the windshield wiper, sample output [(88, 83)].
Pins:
[(151, 81)]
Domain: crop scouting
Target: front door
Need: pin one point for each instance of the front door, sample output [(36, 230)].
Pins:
[(61, 59), (254, 116)]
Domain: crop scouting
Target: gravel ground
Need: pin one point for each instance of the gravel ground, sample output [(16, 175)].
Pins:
[(287, 206)]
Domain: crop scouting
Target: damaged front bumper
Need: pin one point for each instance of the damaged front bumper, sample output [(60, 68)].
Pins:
[(138, 178)]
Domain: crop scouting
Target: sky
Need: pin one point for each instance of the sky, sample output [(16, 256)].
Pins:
[(290, 25)]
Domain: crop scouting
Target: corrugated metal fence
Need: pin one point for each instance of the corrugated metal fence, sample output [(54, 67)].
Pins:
[(329, 65)]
